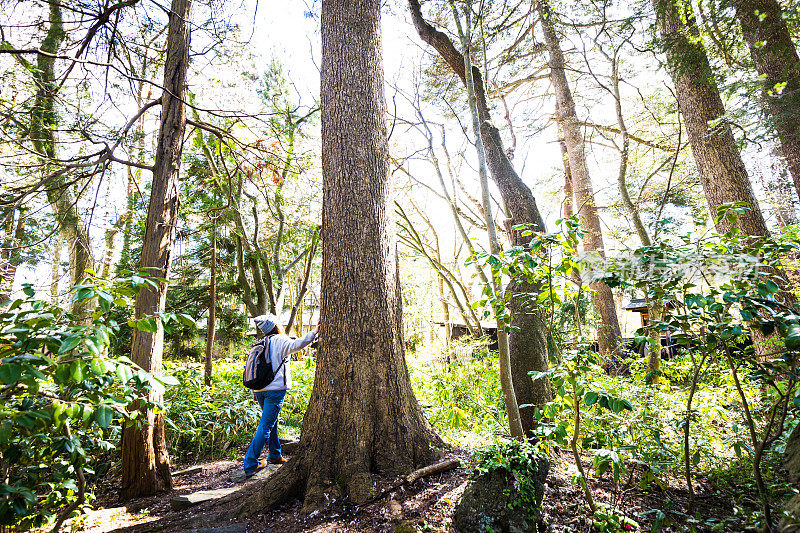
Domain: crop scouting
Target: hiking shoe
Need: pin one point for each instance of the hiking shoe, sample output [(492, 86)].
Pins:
[(262, 464), (278, 461)]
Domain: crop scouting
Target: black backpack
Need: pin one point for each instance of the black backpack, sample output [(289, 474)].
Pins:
[(258, 371)]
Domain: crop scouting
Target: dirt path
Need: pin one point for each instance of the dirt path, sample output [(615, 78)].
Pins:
[(426, 505)]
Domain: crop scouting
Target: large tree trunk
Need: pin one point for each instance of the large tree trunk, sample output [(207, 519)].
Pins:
[(719, 163), (528, 347), (44, 121), (362, 417), (775, 57), (145, 463), (608, 334)]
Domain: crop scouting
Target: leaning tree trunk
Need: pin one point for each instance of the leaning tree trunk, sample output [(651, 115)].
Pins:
[(775, 57), (504, 360), (362, 418), (719, 163), (608, 334), (44, 121), (528, 346), (145, 463)]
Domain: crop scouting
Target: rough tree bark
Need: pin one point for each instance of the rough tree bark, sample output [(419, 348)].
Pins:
[(608, 334), (528, 347), (145, 463), (362, 417), (718, 161), (775, 57)]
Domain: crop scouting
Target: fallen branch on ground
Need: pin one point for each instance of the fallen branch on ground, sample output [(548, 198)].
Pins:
[(435, 468)]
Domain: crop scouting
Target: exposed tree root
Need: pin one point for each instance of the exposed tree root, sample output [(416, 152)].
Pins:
[(299, 480), (282, 486)]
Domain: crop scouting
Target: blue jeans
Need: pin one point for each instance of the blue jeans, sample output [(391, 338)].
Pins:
[(271, 402)]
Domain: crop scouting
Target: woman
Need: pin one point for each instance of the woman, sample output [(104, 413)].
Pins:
[(270, 398)]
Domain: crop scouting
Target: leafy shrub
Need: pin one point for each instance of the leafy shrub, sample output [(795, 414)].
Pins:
[(463, 402), (523, 461), (62, 400)]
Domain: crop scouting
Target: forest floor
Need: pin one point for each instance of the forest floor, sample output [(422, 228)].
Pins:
[(426, 505)]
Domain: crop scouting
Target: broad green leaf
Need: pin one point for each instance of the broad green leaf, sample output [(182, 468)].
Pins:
[(69, 343), (10, 373), (76, 371), (124, 373), (104, 415)]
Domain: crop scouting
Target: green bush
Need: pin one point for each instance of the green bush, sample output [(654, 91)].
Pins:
[(62, 400), (463, 402), (520, 459)]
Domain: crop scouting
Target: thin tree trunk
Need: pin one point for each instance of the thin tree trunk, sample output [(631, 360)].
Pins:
[(608, 334), (655, 307), (111, 233), (719, 163), (301, 293), (12, 256), (145, 463), (362, 417), (55, 272), (504, 360), (528, 346), (212, 309), (569, 199), (776, 60)]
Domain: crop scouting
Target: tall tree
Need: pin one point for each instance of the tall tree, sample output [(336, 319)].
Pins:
[(42, 131), (362, 417), (506, 383), (609, 332), (528, 346), (775, 57), (718, 160), (145, 463)]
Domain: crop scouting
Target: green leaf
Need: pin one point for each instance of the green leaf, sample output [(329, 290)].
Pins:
[(170, 381), (591, 398), (124, 373), (76, 371), (186, 320), (69, 343), (84, 293), (104, 415), (10, 373), (148, 325)]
